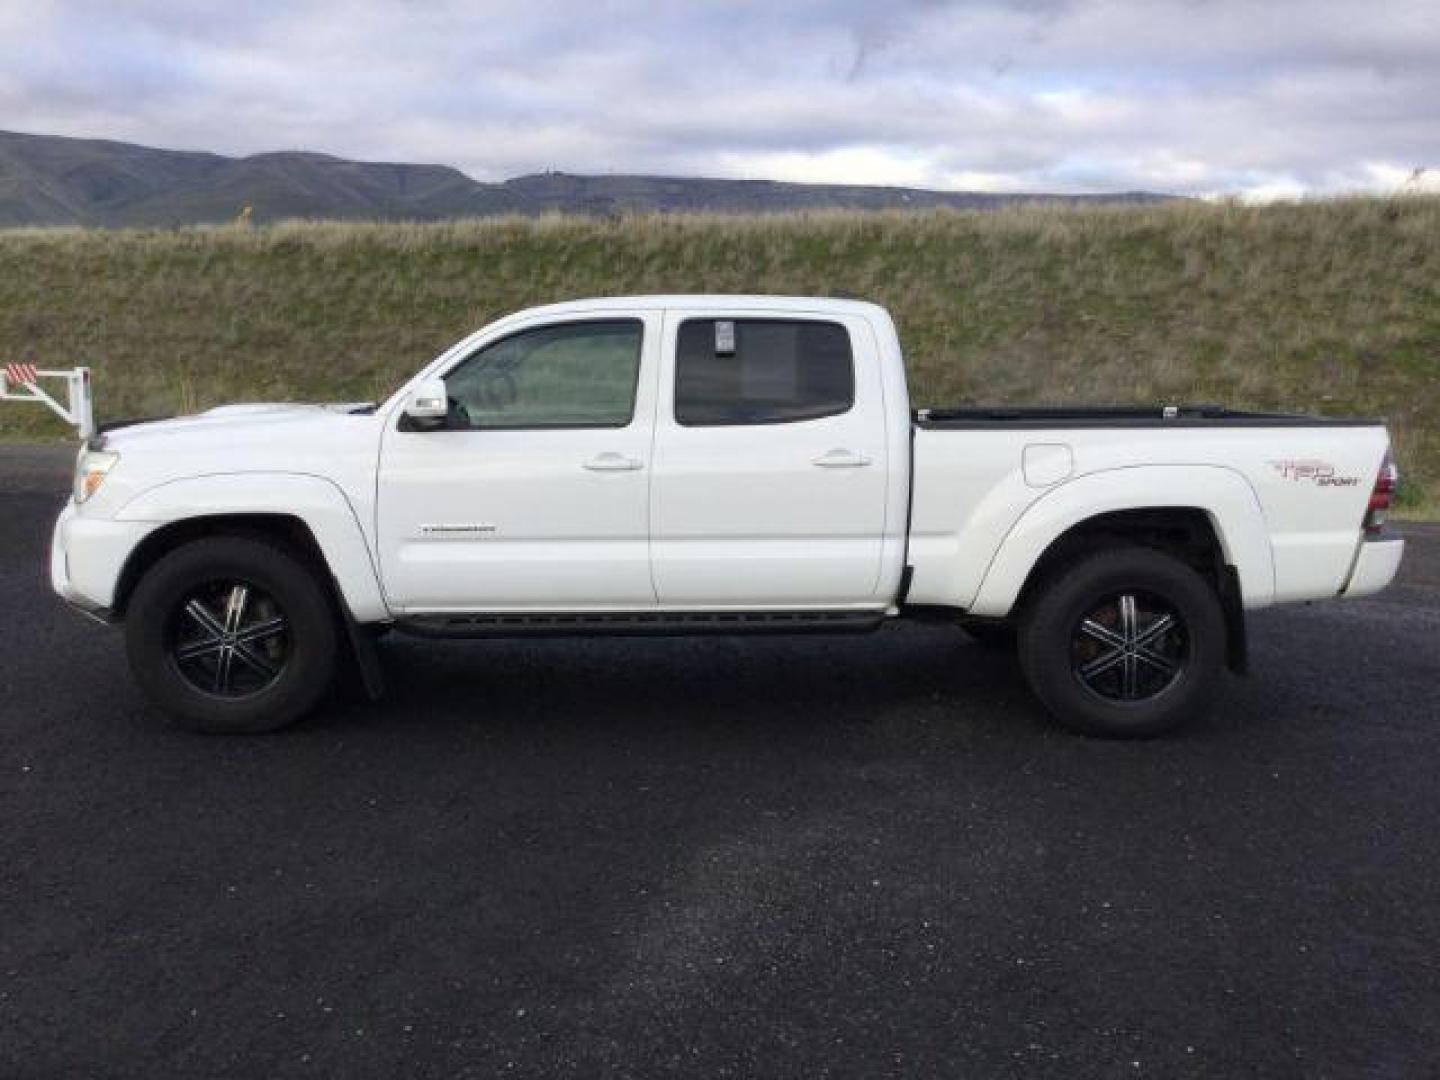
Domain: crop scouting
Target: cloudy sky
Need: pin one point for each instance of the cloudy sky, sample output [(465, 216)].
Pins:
[(1259, 97)]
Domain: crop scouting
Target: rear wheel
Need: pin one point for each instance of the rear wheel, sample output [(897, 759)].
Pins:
[(1125, 643), (232, 635)]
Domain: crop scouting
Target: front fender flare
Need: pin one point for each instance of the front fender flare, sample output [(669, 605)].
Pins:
[(314, 500), (1223, 494)]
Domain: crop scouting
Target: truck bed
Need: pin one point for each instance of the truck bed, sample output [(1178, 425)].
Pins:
[(1110, 416)]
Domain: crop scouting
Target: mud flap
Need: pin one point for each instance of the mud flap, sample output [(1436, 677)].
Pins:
[(1237, 645), (367, 658)]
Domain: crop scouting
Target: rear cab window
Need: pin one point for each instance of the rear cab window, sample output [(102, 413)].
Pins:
[(761, 371)]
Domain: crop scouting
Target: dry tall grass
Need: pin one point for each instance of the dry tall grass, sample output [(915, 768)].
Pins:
[(1332, 307)]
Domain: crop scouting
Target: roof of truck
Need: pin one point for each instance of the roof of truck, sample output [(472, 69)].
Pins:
[(739, 302)]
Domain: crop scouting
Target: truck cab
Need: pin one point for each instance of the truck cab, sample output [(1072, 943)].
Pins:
[(652, 455)]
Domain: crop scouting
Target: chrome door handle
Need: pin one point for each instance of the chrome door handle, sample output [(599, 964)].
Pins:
[(841, 459), (613, 462)]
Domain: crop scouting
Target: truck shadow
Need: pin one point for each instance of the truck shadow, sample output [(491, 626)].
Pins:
[(726, 682)]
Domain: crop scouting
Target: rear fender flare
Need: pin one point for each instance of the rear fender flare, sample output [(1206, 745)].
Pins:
[(1223, 494)]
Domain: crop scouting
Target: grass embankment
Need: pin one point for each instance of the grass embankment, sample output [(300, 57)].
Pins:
[(1331, 307)]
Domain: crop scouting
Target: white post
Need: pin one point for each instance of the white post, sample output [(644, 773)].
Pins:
[(82, 405)]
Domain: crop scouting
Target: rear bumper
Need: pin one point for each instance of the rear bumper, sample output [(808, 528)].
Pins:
[(1375, 566), (87, 555)]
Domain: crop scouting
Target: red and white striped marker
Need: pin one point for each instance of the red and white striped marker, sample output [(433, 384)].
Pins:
[(25, 374)]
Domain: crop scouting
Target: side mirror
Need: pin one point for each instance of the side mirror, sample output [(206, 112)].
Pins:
[(427, 403)]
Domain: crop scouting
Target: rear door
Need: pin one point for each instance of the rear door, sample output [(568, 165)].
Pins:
[(770, 465)]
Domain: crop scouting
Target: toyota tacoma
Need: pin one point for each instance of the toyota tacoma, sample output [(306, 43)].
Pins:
[(710, 464)]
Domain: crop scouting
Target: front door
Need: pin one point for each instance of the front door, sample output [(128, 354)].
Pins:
[(534, 493), (770, 463)]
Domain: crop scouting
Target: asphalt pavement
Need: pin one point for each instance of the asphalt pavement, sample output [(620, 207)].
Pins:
[(842, 856)]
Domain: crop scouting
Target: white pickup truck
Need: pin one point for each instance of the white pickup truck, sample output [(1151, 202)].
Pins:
[(716, 464)]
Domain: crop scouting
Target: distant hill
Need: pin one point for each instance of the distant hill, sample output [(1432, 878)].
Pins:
[(49, 180)]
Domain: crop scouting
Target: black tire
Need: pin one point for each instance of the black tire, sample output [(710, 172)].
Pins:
[(996, 636), (176, 636), (1134, 675)]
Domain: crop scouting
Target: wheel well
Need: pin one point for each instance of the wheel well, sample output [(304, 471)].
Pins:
[(1185, 533), (284, 528)]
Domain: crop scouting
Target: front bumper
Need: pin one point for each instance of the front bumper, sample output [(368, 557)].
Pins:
[(1375, 566), (87, 556)]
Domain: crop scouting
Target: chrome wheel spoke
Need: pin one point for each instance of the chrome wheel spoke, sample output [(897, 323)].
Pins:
[(1102, 633), (1129, 671), (257, 661), (201, 614), (221, 682), (196, 649), (235, 608), (1154, 630), (1155, 660), (1102, 664), (261, 631)]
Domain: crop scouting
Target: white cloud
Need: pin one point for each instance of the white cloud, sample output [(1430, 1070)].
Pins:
[(1388, 177), (843, 165), (1237, 96)]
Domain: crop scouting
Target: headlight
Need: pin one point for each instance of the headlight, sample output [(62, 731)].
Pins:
[(90, 471)]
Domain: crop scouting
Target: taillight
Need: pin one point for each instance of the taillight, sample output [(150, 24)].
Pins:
[(1382, 495)]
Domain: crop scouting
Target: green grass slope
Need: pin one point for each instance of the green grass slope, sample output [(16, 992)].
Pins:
[(1331, 307)]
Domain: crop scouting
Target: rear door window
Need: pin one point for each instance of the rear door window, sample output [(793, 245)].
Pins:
[(761, 371)]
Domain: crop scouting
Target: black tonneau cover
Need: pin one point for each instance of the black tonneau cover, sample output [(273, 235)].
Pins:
[(1068, 416)]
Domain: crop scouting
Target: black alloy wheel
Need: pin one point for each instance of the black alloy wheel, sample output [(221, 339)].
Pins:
[(1124, 642), (233, 634)]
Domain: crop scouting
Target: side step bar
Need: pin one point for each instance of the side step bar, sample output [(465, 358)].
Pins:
[(659, 623)]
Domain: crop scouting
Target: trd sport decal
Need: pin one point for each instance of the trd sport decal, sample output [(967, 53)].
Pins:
[(1319, 473)]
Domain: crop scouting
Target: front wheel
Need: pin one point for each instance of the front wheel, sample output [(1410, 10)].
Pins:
[(1125, 643), (231, 635)]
